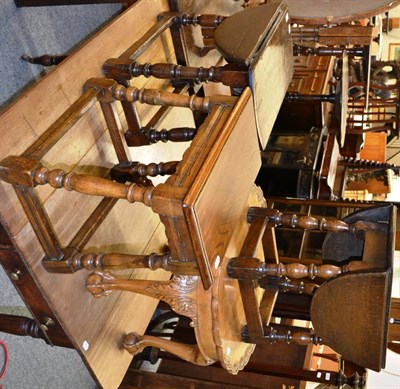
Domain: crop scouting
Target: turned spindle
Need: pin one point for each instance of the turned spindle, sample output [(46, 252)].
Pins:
[(117, 261), (181, 134), (112, 90), (94, 186), (44, 60), (285, 285), (28, 172), (308, 222), (157, 97), (328, 51), (357, 163), (134, 171), (282, 334), (231, 74), (296, 97), (252, 268), (205, 20)]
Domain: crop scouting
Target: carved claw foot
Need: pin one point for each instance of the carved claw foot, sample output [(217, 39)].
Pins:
[(134, 343), (99, 283)]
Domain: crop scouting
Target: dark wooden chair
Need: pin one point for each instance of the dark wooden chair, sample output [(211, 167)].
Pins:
[(358, 293), (381, 114)]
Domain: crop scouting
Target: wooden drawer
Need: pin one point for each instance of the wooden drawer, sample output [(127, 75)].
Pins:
[(309, 83), (311, 62)]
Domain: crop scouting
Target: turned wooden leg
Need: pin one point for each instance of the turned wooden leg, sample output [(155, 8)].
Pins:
[(74, 260), (231, 74), (29, 172), (44, 60), (285, 284), (282, 334), (135, 171), (25, 326), (180, 292), (244, 268), (135, 344), (277, 218), (112, 91)]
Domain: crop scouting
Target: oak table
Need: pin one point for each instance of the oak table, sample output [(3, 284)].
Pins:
[(93, 327), (59, 302)]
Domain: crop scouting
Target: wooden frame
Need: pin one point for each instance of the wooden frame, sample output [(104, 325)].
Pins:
[(394, 51)]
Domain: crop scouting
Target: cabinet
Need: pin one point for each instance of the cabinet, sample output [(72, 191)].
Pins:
[(311, 76), (289, 162)]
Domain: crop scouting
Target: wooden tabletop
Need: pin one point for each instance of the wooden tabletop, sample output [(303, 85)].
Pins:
[(96, 327), (221, 315), (218, 196)]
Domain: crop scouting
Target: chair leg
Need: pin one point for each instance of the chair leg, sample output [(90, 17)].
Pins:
[(135, 344), (44, 60), (180, 292)]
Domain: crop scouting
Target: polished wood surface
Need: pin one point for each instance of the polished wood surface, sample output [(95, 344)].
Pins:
[(94, 326), (228, 314), (217, 313), (50, 122), (366, 324), (217, 197)]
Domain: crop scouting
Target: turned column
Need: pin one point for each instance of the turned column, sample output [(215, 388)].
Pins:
[(44, 60), (29, 172), (245, 268), (74, 260), (365, 164), (232, 75), (292, 220), (329, 51), (135, 171), (112, 91)]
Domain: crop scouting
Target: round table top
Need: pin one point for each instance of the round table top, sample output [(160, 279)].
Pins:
[(319, 12), (221, 314)]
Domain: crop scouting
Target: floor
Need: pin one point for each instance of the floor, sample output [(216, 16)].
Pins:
[(37, 31)]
